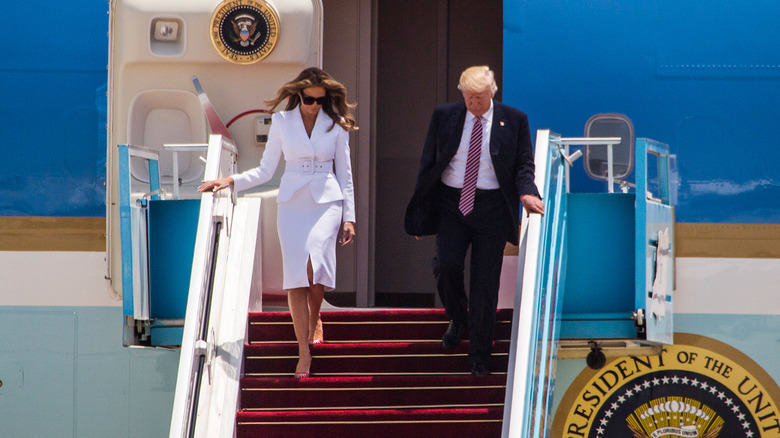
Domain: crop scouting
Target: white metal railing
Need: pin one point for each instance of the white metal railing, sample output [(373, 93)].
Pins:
[(132, 224), (539, 291), (610, 142), (183, 147), (215, 323), (529, 348)]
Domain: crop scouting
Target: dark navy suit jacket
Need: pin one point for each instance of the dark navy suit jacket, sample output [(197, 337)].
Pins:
[(511, 152)]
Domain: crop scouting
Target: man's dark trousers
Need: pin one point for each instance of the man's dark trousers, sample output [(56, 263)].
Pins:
[(486, 229)]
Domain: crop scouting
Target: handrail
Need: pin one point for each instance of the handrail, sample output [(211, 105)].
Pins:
[(598, 141), (518, 403), (135, 275), (198, 344), (182, 147), (218, 300), (655, 218), (223, 270), (539, 292)]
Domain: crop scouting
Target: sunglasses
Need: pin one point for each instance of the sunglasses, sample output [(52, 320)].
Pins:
[(308, 100)]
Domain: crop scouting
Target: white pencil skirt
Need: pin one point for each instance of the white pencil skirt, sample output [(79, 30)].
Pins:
[(308, 230)]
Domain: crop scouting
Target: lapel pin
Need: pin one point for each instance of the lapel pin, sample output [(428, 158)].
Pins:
[(501, 123)]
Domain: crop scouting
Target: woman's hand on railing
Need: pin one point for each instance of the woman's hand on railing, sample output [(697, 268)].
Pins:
[(532, 204), (216, 185)]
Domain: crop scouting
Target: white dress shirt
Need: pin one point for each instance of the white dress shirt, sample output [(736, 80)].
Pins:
[(486, 177)]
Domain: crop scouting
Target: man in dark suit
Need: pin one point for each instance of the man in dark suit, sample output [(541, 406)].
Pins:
[(476, 168)]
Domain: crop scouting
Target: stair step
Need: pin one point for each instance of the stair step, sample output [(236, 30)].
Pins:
[(366, 348), (348, 331), (380, 373), (375, 415), (377, 423), (368, 358), (354, 326), (354, 392), (393, 315)]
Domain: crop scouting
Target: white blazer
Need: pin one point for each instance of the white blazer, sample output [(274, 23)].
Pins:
[(288, 136)]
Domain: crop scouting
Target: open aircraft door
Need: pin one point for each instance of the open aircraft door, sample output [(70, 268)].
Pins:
[(242, 51)]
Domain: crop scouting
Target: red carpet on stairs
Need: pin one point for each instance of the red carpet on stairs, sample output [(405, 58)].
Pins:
[(380, 373)]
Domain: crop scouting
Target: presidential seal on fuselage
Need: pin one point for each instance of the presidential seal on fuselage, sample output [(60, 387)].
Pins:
[(244, 31), (697, 388)]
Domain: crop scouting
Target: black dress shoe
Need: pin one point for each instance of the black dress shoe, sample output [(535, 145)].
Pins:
[(479, 369), (451, 337)]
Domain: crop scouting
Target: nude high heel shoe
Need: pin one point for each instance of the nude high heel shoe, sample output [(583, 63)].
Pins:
[(302, 374), (318, 337)]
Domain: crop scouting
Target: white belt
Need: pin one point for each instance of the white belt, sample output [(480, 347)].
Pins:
[(309, 166)]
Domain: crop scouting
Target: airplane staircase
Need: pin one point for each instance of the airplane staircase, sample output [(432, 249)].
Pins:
[(381, 373)]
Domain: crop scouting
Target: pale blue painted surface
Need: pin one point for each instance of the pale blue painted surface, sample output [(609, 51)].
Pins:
[(758, 336), (78, 380)]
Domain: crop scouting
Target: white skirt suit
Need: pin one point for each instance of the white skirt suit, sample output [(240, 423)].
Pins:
[(315, 194)]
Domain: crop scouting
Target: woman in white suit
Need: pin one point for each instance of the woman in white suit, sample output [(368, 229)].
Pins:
[(315, 199)]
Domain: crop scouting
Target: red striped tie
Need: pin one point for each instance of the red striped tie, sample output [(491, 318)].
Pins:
[(466, 203)]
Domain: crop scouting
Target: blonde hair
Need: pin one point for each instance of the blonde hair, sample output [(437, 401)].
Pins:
[(336, 106), (477, 78)]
